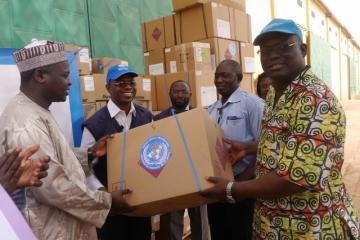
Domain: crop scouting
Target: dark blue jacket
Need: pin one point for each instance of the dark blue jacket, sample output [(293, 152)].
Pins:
[(101, 124), (166, 113)]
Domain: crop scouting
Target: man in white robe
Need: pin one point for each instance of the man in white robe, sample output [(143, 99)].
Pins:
[(64, 207)]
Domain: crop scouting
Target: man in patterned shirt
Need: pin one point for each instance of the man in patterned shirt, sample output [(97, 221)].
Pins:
[(299, 188)]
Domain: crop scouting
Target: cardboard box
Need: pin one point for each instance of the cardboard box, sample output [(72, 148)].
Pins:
[(101, 92), (247, 58), (102, 65), (144, 103), (182, 4), (142, 96), (177, 23), (155, 62), (247, 83), (166, 162), (160, 33), (87, 86), (143, 88), (242, 25), (153, 93), (82, 57), (170, 60), (155, 34), (146, 63), (89, 109), (205, 21), (100, 104), (169, 24), (143, 36), (188, 57), (201, 83), (193, 56), (222, 49)]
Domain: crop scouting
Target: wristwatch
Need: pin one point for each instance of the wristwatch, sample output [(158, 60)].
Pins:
[(229, 197), (90, 155)]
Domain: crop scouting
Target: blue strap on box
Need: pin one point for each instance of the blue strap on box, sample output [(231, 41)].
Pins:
[(123, 155), (188, 153), (186, 146), (183, 139)]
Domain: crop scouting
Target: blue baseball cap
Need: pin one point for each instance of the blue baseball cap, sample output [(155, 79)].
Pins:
[(279, 25), (119, 70)]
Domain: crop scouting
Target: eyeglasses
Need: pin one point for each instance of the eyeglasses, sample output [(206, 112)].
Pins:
[(280, 49), (122, 83)]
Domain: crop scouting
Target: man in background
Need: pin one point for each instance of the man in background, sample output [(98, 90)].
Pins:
[(239, 114), (172, 224)]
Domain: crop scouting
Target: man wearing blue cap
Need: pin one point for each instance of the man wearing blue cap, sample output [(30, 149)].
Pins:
[(119, 115), (299, 189)]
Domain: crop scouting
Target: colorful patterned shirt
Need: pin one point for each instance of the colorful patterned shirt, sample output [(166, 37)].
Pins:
[(302, 140)]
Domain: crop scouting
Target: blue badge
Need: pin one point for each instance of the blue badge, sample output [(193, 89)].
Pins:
[(155, 153)]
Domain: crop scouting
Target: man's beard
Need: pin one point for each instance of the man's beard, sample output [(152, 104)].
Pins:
[(179, 105)]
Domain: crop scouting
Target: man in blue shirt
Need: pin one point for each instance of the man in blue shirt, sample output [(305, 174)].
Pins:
[(239, 114)]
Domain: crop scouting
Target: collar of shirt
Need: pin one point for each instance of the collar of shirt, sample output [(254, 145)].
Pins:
[(115, 110), (234, 98), (271, 108)]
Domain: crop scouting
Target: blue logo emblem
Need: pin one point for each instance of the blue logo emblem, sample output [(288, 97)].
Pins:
[(155, 153)]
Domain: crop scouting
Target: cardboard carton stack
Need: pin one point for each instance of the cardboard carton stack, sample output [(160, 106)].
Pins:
[(223, 24), (173, 48), (87, 84), (166, 61)]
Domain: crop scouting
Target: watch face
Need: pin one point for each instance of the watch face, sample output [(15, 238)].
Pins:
[(229, 197)]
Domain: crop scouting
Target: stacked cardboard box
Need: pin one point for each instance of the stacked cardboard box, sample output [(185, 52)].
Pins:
[(172, 45), (144, 86), (92, 107), (183, 4), (82, 57), (87, 84), (223, 24), (166, 62)]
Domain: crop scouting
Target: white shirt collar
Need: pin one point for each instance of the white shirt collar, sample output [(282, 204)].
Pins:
[(234, 98), (114, 109)]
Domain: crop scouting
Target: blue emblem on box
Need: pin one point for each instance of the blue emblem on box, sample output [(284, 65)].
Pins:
[(155, 154)]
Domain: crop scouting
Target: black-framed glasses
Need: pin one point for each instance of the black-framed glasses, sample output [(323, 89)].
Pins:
[(122, 83), (280, 49)]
